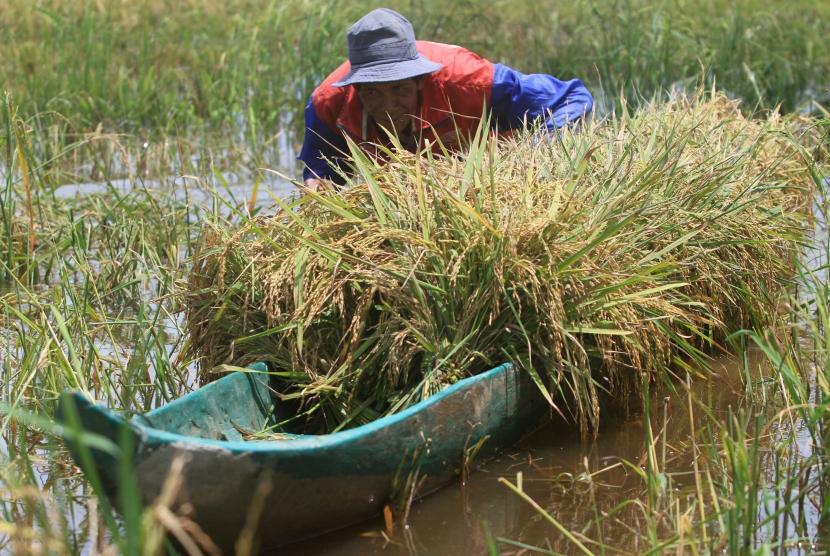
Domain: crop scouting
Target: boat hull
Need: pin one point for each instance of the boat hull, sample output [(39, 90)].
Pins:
[(286, 490)]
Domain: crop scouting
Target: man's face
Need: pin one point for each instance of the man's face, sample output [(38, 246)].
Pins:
[(391, 104)]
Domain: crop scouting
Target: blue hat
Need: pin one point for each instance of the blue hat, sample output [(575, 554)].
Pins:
[(382, 48)]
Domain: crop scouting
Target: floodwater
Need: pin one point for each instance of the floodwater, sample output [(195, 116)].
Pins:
[(233, 189)]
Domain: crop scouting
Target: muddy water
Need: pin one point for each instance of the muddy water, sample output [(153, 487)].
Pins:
[(573, 480), (555, 467)]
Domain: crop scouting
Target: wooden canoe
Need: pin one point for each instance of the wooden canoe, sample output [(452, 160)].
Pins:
[(309, 484)]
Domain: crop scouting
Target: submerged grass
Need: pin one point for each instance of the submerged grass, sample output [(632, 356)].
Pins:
[(727, 481), (599, 262)]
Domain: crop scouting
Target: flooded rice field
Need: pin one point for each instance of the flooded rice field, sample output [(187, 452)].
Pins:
[(231, 189), (591, 488), (595, 491), (130, 132)]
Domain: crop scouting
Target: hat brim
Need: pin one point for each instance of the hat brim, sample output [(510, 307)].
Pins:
[(391, 71)]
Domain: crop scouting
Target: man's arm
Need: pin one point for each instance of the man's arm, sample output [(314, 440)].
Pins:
[(516, 97), (320, 145)]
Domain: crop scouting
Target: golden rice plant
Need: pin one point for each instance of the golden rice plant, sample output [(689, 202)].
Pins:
[(595, 260)]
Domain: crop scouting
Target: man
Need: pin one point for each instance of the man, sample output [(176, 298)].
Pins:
[(421, 91)]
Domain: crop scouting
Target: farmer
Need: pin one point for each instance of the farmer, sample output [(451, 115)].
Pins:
[(421, 91)]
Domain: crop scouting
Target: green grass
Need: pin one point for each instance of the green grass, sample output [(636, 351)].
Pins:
[(238, 73), (766, 53)]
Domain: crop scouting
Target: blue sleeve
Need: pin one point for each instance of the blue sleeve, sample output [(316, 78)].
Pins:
[(516, 96), (322, 146)]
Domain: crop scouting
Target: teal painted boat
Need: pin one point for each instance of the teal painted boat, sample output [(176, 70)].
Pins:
[(305, 485)]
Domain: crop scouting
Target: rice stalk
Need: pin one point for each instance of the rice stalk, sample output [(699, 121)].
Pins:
[(600, 262)]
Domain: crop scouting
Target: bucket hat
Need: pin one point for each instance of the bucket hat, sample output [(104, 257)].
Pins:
[(382, 48)]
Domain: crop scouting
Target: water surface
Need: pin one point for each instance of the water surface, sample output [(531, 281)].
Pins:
[(569, 478)]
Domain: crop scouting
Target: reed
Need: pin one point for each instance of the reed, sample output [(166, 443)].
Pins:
[(630, 248)]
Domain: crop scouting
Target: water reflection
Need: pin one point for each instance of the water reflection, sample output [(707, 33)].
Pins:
[(233, 188)]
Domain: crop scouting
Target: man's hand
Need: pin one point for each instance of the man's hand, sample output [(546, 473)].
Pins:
[(318, 186)]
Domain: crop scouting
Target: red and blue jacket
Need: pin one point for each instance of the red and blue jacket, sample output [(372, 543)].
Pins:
[(452, 99)]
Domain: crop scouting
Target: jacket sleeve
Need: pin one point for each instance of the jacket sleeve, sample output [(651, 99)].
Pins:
[(516, 96), (322, 147)]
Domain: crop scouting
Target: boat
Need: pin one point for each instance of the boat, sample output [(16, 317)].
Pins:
[(299, 485)]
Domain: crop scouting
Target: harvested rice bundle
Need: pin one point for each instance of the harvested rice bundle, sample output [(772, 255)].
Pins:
[(598, 262)]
